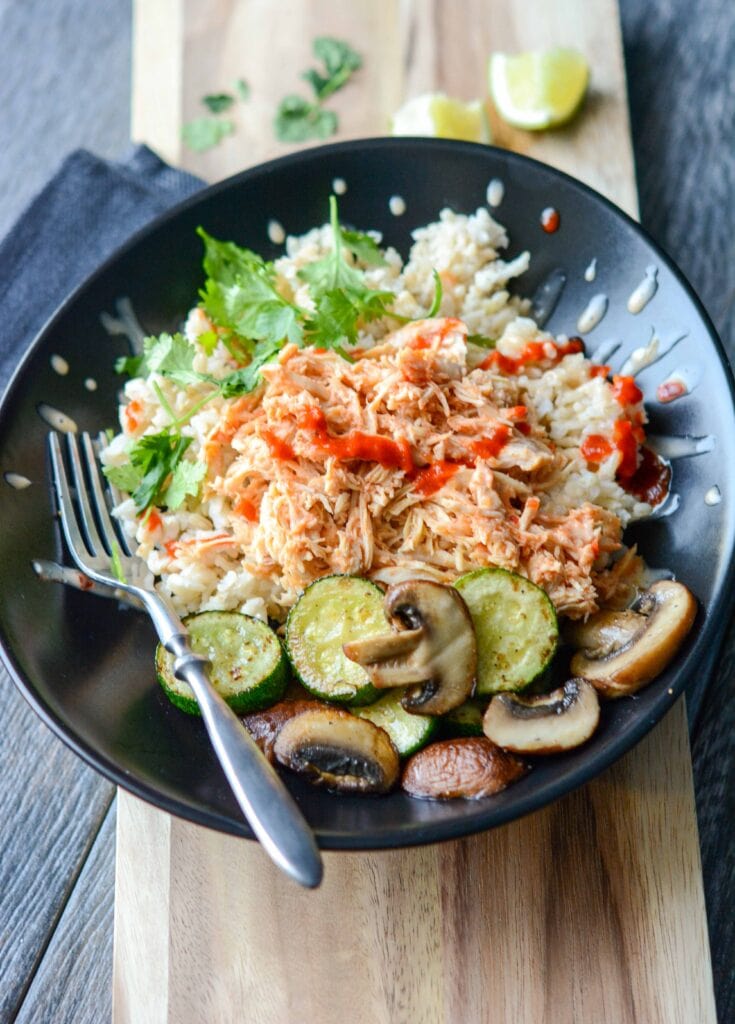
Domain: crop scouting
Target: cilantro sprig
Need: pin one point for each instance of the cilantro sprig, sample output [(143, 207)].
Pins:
[(342, 298), (298, 119), (208, 130), (202, 133), (156, 473), (241, 295)]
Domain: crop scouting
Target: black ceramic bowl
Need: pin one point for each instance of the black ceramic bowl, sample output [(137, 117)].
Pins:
[(87, 667)]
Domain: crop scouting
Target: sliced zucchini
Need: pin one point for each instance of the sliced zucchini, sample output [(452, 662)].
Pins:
[(248, 665), (332, 611), (516, 628), (407, 731), (466, 720)]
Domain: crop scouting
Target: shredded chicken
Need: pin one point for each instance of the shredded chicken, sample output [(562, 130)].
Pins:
[(403, 459)]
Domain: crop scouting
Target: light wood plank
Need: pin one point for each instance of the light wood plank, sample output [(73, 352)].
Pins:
[(157, 76), (141, 955), (591, 910), (410, 47)]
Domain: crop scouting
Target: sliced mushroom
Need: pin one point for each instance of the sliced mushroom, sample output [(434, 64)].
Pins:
[(602, 633), (543, 724), (264, 726), (335, 749), (619, 659), (465, 768), (432, 648)]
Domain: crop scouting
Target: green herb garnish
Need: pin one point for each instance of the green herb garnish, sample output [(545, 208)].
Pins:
[(218, 102), (339, 60), (481, 340), (156, 474), (298, 119), (343, 300), (116, 562), (242, 89), (205, 132), (132, 365), (438, 292)]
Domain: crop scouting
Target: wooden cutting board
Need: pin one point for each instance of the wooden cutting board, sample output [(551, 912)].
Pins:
[(589, 911)]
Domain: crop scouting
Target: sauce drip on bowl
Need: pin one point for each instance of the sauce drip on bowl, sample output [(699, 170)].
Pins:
[(651, 480), (550, 220), (647, 480)]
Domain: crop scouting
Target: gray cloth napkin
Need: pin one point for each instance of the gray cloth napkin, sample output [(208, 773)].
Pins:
[(88, 209)]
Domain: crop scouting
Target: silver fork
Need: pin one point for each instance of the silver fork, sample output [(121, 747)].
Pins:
[(94, 542)]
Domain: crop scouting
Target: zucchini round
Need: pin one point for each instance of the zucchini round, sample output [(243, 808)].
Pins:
[(329, 613), (248, 665), (516, 628), (408, 732), (466, 720)]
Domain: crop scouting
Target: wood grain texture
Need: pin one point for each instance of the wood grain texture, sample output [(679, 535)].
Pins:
[(591, 910), (412, 47), (72, 983), (51, 806)]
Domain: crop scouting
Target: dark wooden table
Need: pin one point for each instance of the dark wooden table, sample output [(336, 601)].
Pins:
[(65, 83)]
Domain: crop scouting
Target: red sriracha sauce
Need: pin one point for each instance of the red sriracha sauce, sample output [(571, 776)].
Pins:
[(651, 480), (550, 220), (432, 478), (599, 370), (625, 437), (279, 448), (626, 391), (668, 390), (533, 352), (596, 448), (130, 415), (356, 444), (517, 415), (246, 508), (419, 343), (493, 443), (152, 520), (626, 444)]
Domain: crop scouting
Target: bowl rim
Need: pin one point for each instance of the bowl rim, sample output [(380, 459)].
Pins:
[(426, 832)]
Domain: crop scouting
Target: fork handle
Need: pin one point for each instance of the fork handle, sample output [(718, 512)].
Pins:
[(266, 803)]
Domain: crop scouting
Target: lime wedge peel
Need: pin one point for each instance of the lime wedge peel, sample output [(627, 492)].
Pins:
[(539, 89), (439, 116)]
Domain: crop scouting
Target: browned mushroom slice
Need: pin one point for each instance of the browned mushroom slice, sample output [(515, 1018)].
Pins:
[(604, 632), (543, 724), (622, 651), (264, 726), (467, 768), (335, 749), (432, 648)]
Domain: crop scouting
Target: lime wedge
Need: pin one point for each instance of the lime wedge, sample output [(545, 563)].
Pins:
[(440, 116), (540, 89)]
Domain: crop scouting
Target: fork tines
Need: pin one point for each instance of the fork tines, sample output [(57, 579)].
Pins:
[(94, 540)]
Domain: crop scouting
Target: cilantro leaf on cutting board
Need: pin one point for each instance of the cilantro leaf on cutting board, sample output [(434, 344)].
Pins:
[(205, 132)]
